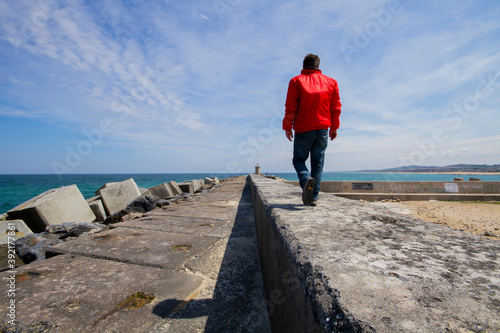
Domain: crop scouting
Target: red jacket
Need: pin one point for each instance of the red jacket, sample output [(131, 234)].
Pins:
[(312, 102)]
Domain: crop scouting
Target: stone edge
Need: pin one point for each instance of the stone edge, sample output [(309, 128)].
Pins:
[(317, 305)]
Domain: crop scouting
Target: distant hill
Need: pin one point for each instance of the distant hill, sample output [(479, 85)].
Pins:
[(448, 168)]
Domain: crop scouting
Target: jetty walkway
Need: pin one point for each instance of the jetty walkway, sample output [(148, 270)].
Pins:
[(191, 267), (250, 257)]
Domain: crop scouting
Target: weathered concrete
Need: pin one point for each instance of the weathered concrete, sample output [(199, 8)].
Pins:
[(347, 266), (175, 188), (12, 230), (144, 191), (9, 232), (197, 185), (187, 187), (411, 191), (174, 224), (97, 207), (211, 181), (116, 196), (419, 196), (138, 246), (191, 186), (214, 285), (208, 211), (81, 294), (233, 303), (491, 187), (64, 204), (162, 191)]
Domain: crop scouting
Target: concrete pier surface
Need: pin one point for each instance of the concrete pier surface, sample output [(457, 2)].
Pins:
[(190, 267), (249, 256), (349, 266)]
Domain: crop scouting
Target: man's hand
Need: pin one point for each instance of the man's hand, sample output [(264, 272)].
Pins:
[(289, 135), (333, 134)]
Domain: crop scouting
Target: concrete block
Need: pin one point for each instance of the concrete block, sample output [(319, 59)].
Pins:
[(9, 232), (138, 246), (211, 181), (163, 191), (175, 188), (98, 209), (14, 229), (187, 187), (208, 211), (56, 206), (198, 185), (175, 224), (89, 200), (78, 294), (144, 191), (97, 193), (117, 196)]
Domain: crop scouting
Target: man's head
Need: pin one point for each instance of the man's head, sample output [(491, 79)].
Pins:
[(311, 61)]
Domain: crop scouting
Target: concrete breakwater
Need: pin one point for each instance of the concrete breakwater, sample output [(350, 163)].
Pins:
[(66, 204), (190, 266), (350, 266), (248, 256), (63, 212), (457, 190)]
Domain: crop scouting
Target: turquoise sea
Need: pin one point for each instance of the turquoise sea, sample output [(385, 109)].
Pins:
[(16, 189)]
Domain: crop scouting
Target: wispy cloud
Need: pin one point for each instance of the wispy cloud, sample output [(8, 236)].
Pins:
[(203, 80)]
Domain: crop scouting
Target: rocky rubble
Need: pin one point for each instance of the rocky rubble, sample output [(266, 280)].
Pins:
[(33, 247), (142, 204)]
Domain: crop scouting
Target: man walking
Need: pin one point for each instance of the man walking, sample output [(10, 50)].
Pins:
[(312, 107)]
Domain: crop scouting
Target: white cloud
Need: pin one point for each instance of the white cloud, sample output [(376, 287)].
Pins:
[(193, 76)]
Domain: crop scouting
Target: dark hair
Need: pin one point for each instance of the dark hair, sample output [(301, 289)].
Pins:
[(311, 61)]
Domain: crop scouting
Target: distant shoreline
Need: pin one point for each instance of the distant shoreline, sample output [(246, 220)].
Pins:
[(436, 172)]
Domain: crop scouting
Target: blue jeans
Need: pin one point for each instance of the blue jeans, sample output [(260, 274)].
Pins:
[(315, 143)]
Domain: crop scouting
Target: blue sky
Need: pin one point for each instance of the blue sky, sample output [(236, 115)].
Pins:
[(199, 86)]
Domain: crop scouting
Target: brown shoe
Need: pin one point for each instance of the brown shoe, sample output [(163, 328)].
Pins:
[(314, 203)]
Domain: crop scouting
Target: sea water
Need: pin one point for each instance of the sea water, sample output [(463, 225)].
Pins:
[(16, 189)]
